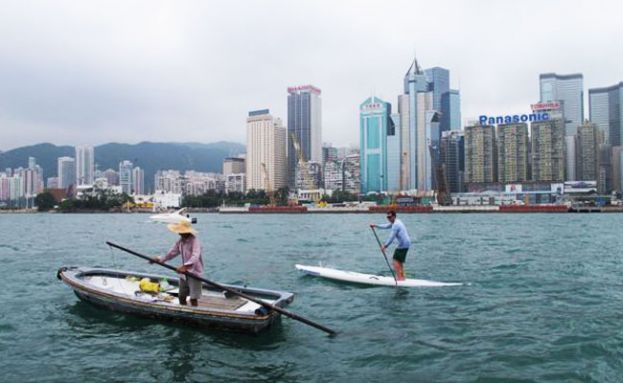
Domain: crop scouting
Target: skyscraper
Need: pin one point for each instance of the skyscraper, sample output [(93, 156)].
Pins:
[(85, 165), (125, 176), (393, 154), (414, 83), (66, 172), (512, 143), (451, 110), (138, 181), (606, 112), (304, 126), (375, 124), (569, 90), (266, 165), (548, 150), (587, 152), (439, 83), (452, 150), (480, 154)]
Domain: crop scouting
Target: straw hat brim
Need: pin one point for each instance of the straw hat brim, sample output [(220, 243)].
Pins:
[(181, 228)]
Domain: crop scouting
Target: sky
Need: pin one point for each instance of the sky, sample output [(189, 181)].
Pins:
[(92, 72)]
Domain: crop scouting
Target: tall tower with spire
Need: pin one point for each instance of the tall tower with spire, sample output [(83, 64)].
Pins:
[(414, 83)]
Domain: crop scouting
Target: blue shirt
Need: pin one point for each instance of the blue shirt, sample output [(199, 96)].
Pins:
[(399, 232)]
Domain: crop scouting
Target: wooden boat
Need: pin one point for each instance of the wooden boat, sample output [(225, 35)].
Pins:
[(119, 291)]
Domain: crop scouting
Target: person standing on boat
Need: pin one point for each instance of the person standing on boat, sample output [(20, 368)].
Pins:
[(399, 233), (190, 248)]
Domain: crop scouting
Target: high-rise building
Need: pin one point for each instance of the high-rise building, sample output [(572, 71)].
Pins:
[(85, 165), (393, 154), (414, 82), (138, 181), (512, 142), (587, 152), (439, 83), (569, 90), (266, 165), (125, 176), (617, 168), (548, 150), (450, 110), (606, 112), (452, 151), (329, 153), (112, 177), (304, 127), (233, 165), (604, 168), (375, 123), (480, 154), (66, 172)]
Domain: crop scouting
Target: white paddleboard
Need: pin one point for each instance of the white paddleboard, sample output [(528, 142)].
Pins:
[(368, 279)]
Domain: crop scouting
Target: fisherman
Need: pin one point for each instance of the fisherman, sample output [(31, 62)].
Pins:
[(189, 247), (399, 232)]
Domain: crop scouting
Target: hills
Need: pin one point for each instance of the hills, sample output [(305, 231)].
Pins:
[(150, 156)]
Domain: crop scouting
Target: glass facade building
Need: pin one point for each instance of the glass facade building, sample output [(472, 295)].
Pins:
[(451, 110), (304, 126), (606, 112), (569, 90), (375, 125)]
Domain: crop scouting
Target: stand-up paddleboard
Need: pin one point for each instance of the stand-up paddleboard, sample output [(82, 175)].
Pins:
[(368, 279)]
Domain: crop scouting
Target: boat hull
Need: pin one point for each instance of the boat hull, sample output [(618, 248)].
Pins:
[(213, 318)]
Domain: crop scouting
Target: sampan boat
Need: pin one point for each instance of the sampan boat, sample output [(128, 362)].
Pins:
[(120, 291)]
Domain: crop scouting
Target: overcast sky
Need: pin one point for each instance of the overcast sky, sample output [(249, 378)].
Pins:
[(91, 72)]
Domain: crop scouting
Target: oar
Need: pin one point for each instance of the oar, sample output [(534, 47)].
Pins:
[(384, 256), (233, 291)]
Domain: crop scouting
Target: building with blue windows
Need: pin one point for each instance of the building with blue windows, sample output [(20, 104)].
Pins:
[(606, 112), (375, 126), (450, 110), (569, 90)]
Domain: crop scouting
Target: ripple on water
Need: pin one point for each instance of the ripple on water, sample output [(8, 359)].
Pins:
[(543, 307)]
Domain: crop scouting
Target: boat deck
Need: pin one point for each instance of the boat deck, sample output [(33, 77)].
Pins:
[(210, 299)]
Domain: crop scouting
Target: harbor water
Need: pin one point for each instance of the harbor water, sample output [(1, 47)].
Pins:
[(543, 300)]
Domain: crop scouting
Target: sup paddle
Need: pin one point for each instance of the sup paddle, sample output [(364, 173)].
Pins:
[(232, 291), (384, 255)]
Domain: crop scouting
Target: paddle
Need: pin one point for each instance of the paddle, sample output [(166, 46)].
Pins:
[(383, 252), (233, 291)]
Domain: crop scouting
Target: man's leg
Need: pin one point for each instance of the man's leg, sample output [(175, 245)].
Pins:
[(398, 267), (183, 291), (195, 290)]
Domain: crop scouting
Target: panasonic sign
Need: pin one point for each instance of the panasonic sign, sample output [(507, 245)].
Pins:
[(512, 119)]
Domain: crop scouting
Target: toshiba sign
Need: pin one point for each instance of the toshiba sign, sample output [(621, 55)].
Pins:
[(552, 105), (303, 88)]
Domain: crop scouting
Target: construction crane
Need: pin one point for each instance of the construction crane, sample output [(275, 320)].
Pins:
[(302, 166), (269, 189), (439, 174)]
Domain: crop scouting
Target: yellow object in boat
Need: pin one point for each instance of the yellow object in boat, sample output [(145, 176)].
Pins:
[(148, 286)]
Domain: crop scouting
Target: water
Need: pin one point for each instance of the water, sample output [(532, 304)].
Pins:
[(544, 302)]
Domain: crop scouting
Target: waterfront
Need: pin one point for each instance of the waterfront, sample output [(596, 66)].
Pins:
[(543, 304)]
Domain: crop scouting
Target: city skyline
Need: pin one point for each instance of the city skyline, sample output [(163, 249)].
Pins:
[(147, 77)]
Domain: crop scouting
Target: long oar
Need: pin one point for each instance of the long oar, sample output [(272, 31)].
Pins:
[(233, 291), (384, 255)]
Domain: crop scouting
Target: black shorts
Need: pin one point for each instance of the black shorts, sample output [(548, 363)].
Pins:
[(400, 255)]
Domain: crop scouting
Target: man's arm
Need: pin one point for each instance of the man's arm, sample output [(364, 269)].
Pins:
[(383, 226), (172, 253), (392, 237)]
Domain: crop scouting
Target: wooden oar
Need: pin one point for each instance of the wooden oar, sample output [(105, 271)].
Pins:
[(233, 291), (384, 255)]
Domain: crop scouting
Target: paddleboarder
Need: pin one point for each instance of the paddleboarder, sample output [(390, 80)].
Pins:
[(190, 248), (399, 233)]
